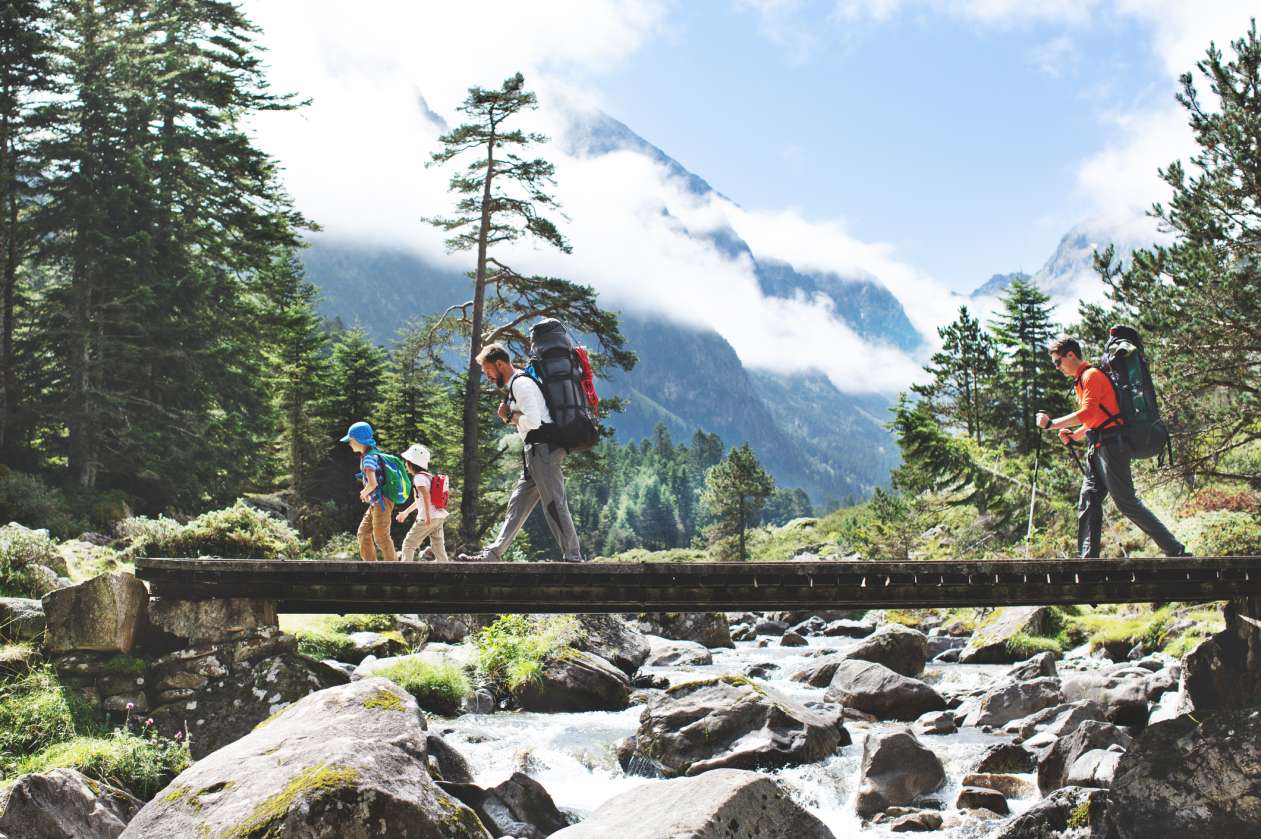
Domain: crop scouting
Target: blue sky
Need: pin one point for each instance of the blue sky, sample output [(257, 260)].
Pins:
[(957, 143)]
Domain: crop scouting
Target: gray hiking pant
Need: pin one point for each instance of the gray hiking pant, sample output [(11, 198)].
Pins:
[(541, 481), (1109, 474)]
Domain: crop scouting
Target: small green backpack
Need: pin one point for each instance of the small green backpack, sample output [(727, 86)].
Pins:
[(397, 484)]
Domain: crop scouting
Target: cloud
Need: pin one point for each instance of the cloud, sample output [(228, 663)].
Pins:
[(354, 161), (784, 25), (1056, 56), (991, 12)]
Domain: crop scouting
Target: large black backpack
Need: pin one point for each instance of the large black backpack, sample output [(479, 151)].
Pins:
[(555, 365), (1125, 364)]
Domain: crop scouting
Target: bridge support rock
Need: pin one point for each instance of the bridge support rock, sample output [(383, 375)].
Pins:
[(1224, 672)]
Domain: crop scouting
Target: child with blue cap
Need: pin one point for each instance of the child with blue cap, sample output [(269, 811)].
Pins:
[(375, 526)]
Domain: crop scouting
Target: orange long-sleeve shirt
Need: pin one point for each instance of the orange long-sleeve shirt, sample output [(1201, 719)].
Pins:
[(1096, 398)]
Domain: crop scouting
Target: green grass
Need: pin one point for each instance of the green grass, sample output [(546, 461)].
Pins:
[(1024, 646), (140, 765), (438, 688), (328, 636), (512, 651), (36, 712)]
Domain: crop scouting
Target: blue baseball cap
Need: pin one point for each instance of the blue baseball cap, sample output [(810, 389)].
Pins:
[(360, 432)]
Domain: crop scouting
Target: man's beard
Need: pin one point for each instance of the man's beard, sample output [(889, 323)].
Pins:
[(501, 379)]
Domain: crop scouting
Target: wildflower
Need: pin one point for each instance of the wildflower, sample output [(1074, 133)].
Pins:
[(149, 721), (179, 735), (131, 706)]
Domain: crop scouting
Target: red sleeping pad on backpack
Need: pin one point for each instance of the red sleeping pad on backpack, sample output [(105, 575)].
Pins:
[(588, 379)]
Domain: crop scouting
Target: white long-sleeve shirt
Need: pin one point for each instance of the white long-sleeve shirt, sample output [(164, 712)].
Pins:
[(526, 398)]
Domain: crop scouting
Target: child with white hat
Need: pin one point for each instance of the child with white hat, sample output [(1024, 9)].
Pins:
[(430, 498)]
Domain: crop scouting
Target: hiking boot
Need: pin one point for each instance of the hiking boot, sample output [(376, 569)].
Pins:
[(480, 556)]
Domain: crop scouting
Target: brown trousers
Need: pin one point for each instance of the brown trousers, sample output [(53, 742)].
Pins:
[(376, 527)]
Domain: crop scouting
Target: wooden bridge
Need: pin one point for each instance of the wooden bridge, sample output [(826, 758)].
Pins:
[(466, 587)]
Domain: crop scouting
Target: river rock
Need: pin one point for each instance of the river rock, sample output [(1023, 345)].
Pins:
[(935, 722), (1009, 701), (1095, 768), (896, 770), (819, 673), (666, 653), (1053, 769), (445, 762), (708, 628), (923, 821), (518, 807), (1124, 700), (730, 722), (793, 639), (875, 689), (231, 695), (576, 681), (614, 640), (1182, 778), (102, 614), (767, 626), (1221, 673), (379, 644), (982, 798), (1003, 758), (811, 626), (453, 629), (64, 804), (348, 762), (1012, 786), (1057, 721), (722, 804), (1050, 818), (1042, 664), (845, 628), (900, 648), (198, 621), (989, 643), (21, 619)]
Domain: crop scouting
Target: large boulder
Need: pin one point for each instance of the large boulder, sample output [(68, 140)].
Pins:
[(1222, 672), (1067, 812), (708, 628), (1004, 758), (896, 770), (453, 629), (731, 722), (21, 619), (445, 761), (989, 644), (198, 621), (1093, 769), (348, 762), (1057, 720), (1009, 701), (219, 693), (900, 648), (1188, 777), (614, 640), (1053, 769), (1042, 664), (875, 689), (1123, 698), (576, 681), (518, 807), (722, 804), (666, 653), (819, 672), (103, 614), (63, 804)]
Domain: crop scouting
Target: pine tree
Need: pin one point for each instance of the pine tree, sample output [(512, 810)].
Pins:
[(25, 76), (965, 371), (1197, 301), (735, 491), (1028, 383), (503, 198)]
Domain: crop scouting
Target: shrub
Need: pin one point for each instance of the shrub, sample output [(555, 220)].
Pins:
[(1213, 499), (37, 711), (341, 546), (28, 499), (363, 623), (140, 764), (20, 548), (238, 532), (1224, 533), (511, 651), (437, 688), (143, 536), (320, 642)]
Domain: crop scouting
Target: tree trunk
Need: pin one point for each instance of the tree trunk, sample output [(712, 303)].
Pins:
[(472, 381), (8, 379)]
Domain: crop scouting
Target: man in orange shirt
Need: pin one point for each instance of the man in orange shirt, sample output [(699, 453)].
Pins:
[(1098, 420)]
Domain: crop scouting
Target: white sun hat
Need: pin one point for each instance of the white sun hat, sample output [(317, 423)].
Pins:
[(417, 455)]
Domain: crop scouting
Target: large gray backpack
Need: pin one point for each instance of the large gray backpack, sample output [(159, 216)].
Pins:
[(555, 365)]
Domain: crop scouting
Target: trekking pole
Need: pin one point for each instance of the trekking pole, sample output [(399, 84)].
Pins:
[(1033, 491), (1076, 457)]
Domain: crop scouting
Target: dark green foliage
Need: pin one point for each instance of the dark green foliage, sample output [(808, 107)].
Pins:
[(965, 375), (1027, 381), (1197, 301), (735, 491)]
